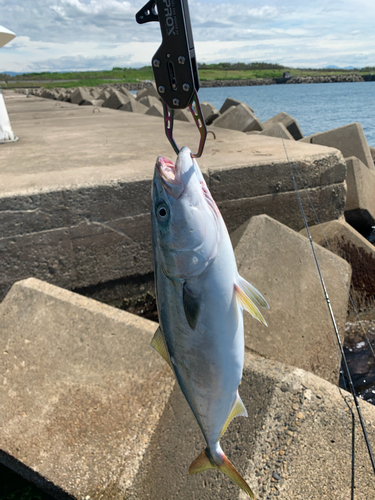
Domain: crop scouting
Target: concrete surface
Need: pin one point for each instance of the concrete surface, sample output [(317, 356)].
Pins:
[(79, 96), (289, 122), (299, 427), (183, 115), (155, 110), (150, 91), (149, 101), (238, 117), (133, 106), (349, 139), (116, 100), (347, 243), (280, 264), (229, 101), (277, 130), (360, 199), (90, 411), (75, 189), (210, 113), (81, 391)]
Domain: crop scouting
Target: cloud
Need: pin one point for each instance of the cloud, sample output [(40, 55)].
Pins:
[(90, 34)]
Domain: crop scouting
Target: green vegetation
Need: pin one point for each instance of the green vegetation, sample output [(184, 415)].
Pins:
[(220, 71)]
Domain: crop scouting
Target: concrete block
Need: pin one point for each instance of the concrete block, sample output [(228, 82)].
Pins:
[(115, 100), (276, 130), (183, 115), (61, 96), (239, 118), (149, 101), (156, 110), (48, 94), (104, 95), (232, 102), (93, 102), (289, 122), (347, 243), (295, 425), (349, 139), (81, 398), (151, 91), (126, 92), (133, 106), (79, 95), (360, 200), (372, 152), (74, 205), (89, 412), (95, 92), (280, 264), (210, 113)]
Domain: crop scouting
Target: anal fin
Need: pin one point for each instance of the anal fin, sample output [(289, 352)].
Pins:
[(238, 410), (159, 344)]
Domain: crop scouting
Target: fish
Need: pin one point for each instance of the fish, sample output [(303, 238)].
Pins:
[(200, 299)]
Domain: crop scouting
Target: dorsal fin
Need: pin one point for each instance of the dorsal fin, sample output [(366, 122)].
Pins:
[(159, 344), (248, 296), (238, 410)]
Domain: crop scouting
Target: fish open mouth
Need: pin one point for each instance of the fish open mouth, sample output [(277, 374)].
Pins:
[(166, 168), (169, 176)]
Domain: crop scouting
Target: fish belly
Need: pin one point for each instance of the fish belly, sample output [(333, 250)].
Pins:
[(208, 359)]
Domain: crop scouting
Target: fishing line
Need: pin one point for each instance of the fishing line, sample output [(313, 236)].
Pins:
[(344, 361)]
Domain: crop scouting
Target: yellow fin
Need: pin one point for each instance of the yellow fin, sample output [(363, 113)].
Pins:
[(204, 461), (238, 410), (247, 303), (159, 344), (253, 293)]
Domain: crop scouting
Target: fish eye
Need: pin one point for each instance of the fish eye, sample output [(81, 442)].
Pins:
[(162, 212)]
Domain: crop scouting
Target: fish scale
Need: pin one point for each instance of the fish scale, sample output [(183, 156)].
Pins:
[(200, 299)]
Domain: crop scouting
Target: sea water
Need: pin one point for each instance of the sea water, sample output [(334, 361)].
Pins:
[(317, 107)]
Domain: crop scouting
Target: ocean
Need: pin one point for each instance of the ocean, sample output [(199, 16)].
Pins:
[(317, 107)]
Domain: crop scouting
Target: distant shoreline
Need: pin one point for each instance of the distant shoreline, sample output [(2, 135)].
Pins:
[(294, 80), (287, 81), (246, 82)]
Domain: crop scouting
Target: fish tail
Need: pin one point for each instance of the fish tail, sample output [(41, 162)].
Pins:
[(206, 461)]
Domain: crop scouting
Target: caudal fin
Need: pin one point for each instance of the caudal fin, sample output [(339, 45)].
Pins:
[(205, 461)]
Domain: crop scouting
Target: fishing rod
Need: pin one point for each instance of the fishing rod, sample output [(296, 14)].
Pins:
[(332, 316)]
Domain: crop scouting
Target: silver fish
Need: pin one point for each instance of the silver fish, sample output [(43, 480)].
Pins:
[(200, 298)]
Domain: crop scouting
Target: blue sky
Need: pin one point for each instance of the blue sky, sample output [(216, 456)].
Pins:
[(60, 35)]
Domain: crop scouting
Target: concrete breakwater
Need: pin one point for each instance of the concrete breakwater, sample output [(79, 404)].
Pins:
[(249, 82), (292, 80), (88, 409)]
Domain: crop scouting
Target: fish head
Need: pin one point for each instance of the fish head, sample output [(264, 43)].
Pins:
[(185, 218)]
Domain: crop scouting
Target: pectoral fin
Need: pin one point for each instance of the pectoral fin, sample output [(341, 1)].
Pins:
[(249, 297), (191, 306), (159, 344), (238, 410), (253, 293)]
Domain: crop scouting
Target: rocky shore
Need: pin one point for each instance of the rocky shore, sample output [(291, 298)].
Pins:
[(248, 82)]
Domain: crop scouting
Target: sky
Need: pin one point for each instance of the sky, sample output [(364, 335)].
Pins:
[(62, 35)]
